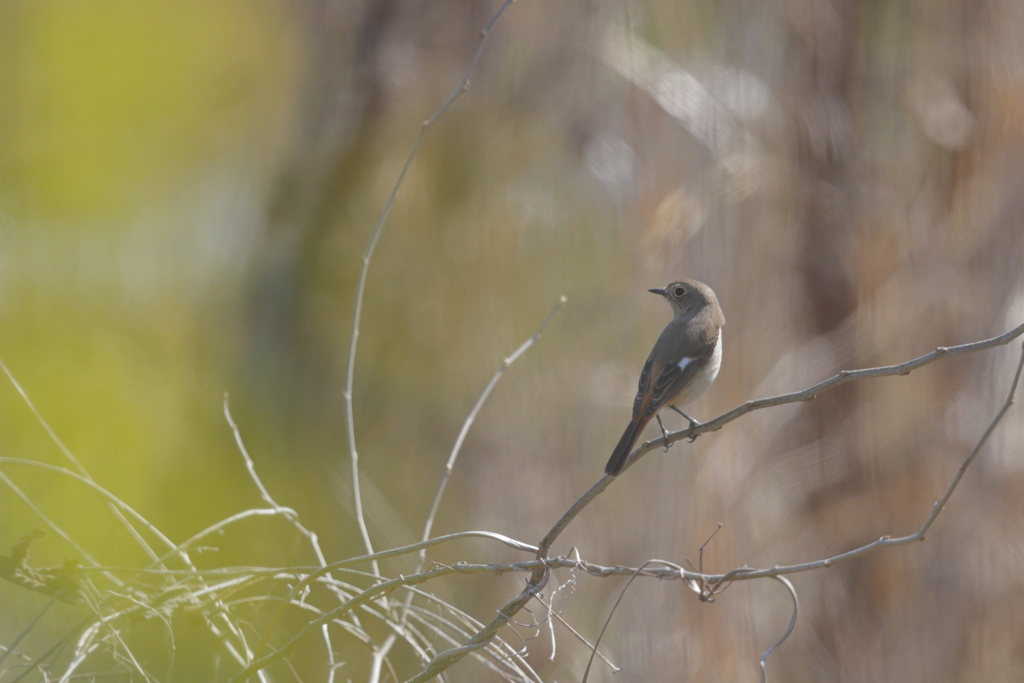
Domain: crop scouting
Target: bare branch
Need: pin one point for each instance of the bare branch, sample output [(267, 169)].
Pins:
[(471, 418), (462, 87), (749, 573), (539, 575), (842, 377)]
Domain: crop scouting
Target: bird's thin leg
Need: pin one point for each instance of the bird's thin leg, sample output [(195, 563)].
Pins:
[(664, 433), (693, 423)]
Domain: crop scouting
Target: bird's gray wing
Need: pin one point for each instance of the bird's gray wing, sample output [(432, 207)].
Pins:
[(669, 378)]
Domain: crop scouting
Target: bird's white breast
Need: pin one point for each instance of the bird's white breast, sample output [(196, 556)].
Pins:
[(700, 382)]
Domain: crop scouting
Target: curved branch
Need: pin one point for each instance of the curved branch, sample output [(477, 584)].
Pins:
[(357, 315), (789, 629), (539, 576)]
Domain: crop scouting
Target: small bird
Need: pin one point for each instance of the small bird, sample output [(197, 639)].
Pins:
[(682, 365)]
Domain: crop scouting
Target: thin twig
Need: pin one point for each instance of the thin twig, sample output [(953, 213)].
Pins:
[(604, 627), (462, 87), (555, 616), (471, 418), (250, 466), (789, 629)]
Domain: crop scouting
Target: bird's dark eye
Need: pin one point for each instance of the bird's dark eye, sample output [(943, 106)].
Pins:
[(678, 292)]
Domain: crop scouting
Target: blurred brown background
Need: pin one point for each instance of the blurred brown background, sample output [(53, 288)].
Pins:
[(186, 189)]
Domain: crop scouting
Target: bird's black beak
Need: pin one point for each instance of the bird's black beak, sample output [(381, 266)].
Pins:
[(662, 292)]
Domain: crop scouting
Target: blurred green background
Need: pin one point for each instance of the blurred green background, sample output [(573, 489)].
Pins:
[(186, 191)]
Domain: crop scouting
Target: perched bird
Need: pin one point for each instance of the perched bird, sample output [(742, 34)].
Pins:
[(682, 365)]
